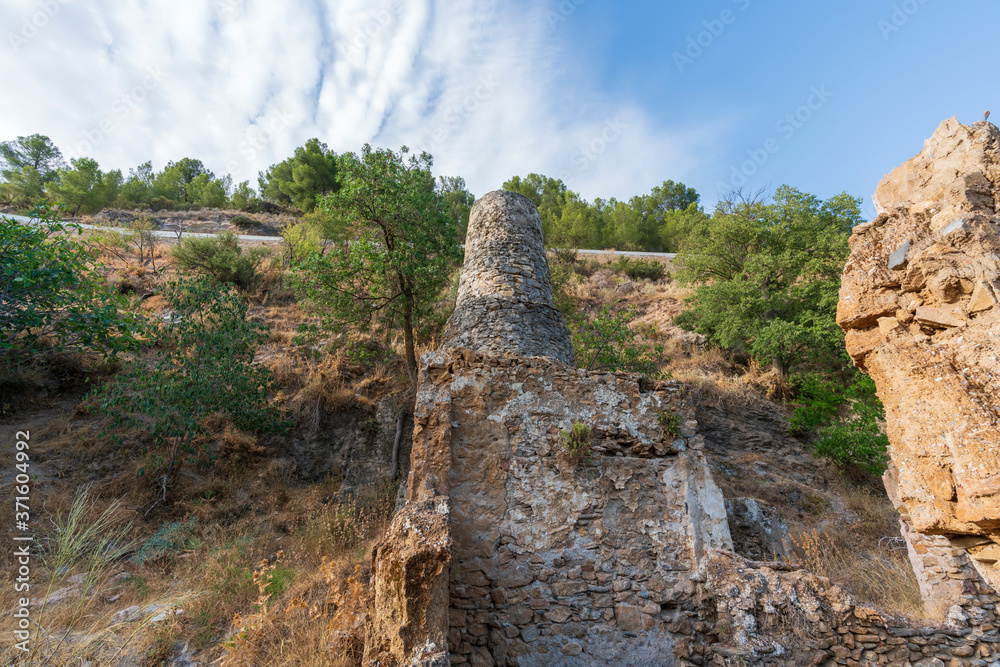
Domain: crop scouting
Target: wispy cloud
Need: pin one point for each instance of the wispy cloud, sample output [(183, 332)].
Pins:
[(478, 83)]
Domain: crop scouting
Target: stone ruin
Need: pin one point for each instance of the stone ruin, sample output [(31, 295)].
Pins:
[(510, 552), (920, 303), (504, 303)]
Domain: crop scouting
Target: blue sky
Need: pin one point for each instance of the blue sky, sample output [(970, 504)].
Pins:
[(613, 97)]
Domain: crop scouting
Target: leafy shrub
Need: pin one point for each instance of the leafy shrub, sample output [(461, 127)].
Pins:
[(577, 443), (586, 267), (167, 542), (245, 222), (54, 298), (853, 438), (606, 341), (300, 241), (671, 423), (202, 366), (222, 258), (162, 204), (565, 255), (639, 269)]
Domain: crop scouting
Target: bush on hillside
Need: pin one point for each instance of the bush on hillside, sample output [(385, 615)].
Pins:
[(639, 269), (606, 341), (54, 298), (222, 259), (202, 366), (245, 222), (162, 204)]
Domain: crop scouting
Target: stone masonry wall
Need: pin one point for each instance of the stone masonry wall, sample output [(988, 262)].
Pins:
[(556, 563), (504, 301), (774, 618)]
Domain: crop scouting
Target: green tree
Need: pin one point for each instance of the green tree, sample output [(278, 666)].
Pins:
[(402, 248), (137, 190), (580, 224), (36, 151), (459, 200), (244, 198), (310, 173), (642, 223), (84, 187), (844, 419), (174, 182), (24, 188), (202, 365), (53, 299), (768, 276), (208, 192)]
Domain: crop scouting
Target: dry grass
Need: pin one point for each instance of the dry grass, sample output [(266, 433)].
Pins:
[(881, 577), (318, 620)]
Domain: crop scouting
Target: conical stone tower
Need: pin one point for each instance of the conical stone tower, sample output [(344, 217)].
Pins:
[(505, 295)]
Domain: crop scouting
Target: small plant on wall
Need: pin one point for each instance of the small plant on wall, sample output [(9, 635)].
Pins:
[(671, 424), (577, 443)]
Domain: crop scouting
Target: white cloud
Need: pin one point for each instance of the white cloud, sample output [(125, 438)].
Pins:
[(241, 83)]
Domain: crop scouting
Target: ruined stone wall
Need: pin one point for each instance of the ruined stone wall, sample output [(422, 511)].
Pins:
[(557, 562), (784, 619), (508, 553)]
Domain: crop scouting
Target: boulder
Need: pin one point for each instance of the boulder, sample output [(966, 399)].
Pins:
[(408, 618), (920, 303)]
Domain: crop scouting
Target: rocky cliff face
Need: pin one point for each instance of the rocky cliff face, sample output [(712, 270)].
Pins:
[(920, 303)]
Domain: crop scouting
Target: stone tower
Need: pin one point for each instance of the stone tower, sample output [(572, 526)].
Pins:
[(505, 295)]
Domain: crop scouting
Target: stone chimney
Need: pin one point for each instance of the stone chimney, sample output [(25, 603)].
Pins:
[(505, 295)]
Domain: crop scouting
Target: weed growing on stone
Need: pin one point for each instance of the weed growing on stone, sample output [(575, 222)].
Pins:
[(671, 424), (577, 443)]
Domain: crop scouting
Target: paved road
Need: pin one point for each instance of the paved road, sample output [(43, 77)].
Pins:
[(160, 234), (277, 239)]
